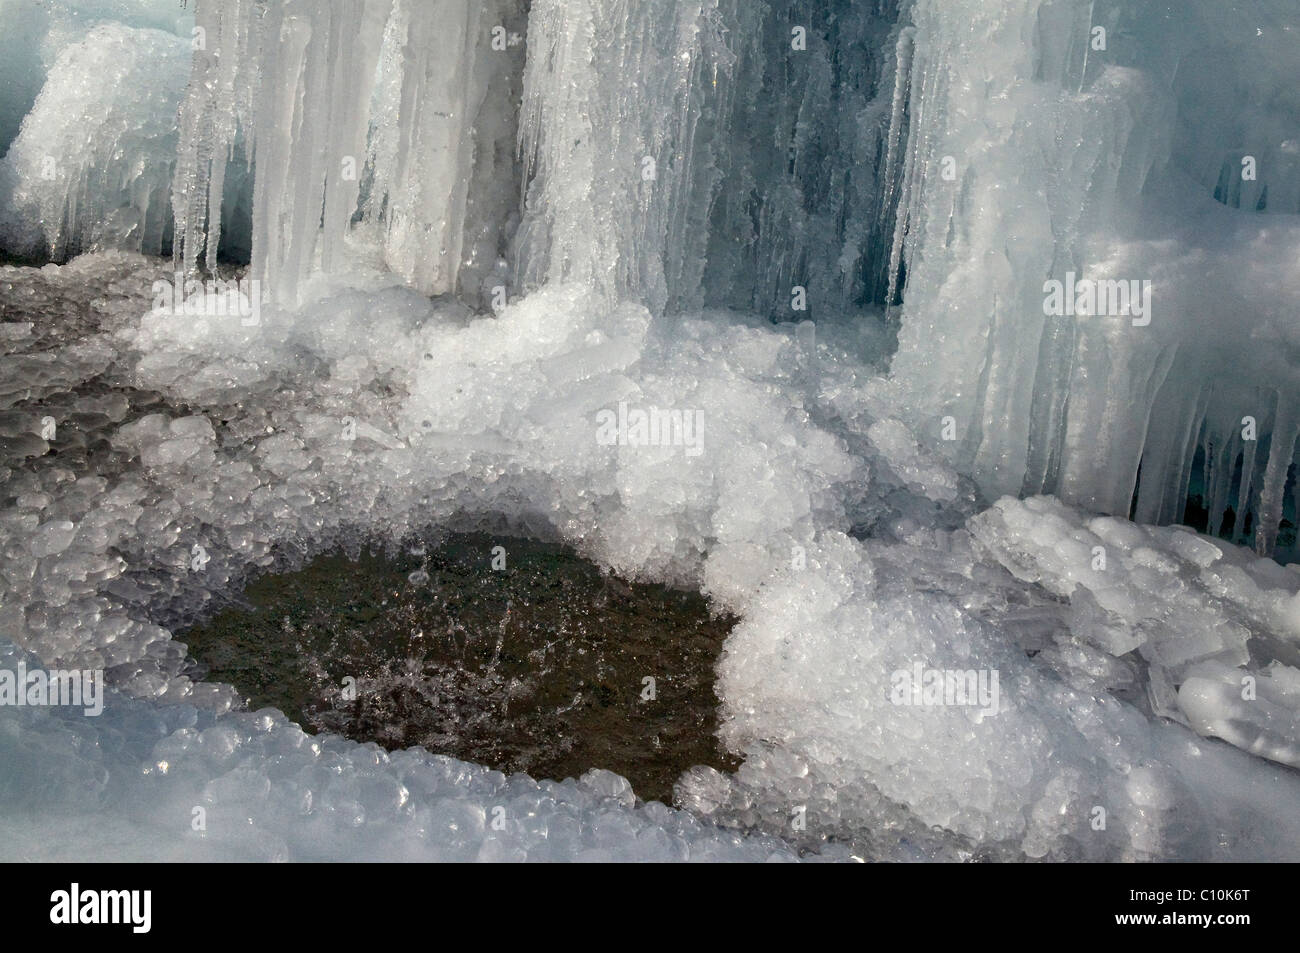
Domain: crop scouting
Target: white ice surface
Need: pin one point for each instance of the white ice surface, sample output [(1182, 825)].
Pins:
[(491, 422)]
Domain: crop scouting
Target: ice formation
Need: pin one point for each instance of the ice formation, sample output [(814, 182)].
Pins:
[(1115, 164), (38, 31), (954, 642), (92, 166), (328, 98)]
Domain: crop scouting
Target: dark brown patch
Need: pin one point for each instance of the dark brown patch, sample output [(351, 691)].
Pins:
[(536, 668)]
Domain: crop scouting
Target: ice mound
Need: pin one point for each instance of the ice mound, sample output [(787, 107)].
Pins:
[(1259, 714), (1050, 733), (133, 508), (93, 164), (1201, 613)]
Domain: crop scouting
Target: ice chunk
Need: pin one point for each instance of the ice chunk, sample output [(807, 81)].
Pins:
[(1258, 713), (53, 538), (37, 32)]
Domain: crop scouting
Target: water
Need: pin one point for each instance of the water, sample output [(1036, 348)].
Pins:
[(538, 667)]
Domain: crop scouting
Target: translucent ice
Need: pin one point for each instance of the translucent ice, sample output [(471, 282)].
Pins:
[(93, 164), (1098, 153)]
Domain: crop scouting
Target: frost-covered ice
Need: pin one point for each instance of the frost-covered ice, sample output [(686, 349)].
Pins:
[(38, 31), (935, 659), (92, 166)]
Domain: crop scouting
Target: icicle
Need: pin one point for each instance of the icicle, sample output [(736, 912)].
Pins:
[(1286, 429), (98, 149), (437, 74), (1179, 475), (598, 204), (212, 113), (1220, 482), (216, 190), (294, 81), (904, 52), (1243, 494)]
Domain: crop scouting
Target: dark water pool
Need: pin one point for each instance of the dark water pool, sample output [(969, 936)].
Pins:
[(546, 665)]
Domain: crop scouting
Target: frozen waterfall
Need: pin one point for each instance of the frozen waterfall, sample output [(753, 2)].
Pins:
[(700, 154), (986, 314)]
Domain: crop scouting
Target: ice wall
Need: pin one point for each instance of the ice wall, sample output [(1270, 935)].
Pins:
[(444, 171), (801, 200), (414, 101), (1038, 148), (295, 80), (610, 160), (825, 161), (712, 152), (327, 98), (742, 164)]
